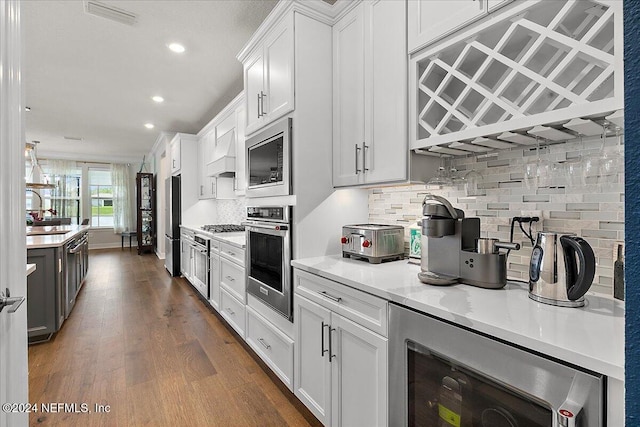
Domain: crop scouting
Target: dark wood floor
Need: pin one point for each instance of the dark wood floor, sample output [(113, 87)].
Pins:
[(148, 347)]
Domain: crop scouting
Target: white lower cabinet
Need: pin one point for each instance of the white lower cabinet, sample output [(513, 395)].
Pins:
[(341, 368), (232, 278), (273, 346), (233, 311)]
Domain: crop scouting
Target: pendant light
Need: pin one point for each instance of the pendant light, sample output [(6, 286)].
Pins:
[(30, 151)]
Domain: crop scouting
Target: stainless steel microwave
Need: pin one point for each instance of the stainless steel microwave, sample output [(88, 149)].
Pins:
[(269, 161)]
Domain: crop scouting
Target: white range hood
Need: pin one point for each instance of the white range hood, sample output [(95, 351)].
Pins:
[(224, 163)]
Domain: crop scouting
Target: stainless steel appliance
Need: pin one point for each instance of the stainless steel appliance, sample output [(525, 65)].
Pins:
[(268, 257), (453, 251), (561, 270), (172, 225), (222, 228), (373, 242), (200, 251), (269, 161), (444, 375), (77, 265)]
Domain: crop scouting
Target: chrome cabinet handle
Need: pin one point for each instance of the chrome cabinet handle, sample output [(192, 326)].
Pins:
[(258, 104), (262, 97), (331, 297), (331, 355), (323, 351), (201, 189), (264, 344), (231, 312), (231, 253), (357, 149), (230, 278), (12, 302), (364, 158), (212, 189)]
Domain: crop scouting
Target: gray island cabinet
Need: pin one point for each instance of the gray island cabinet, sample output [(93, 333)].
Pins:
[(61, 261)]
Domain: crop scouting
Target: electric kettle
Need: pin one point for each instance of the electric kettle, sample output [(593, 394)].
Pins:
[(561, 270)]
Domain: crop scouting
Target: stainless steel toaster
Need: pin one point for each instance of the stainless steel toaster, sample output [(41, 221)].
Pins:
[(373, 242)]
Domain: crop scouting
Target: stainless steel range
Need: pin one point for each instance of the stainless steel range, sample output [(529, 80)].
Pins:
[(222, 228), (268, 255)]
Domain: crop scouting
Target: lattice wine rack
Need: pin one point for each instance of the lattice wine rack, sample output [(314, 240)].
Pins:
[(538, 63)]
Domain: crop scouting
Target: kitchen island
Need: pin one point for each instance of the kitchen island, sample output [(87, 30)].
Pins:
[(591, 337), (60, 254)]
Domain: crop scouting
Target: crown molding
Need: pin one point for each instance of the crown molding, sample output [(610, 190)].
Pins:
[(316, 9)]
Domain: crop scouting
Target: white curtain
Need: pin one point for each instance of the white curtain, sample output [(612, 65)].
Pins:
[(65, 197), (121, 184)]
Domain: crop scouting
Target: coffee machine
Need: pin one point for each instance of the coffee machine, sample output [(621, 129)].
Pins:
[(452, 250)]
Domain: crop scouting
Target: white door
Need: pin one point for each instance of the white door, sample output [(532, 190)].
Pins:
[(359, 375), (254, 84), (348, 98), (385, 100), (312, 377), (278, 56), (14, 386), (430, 20)]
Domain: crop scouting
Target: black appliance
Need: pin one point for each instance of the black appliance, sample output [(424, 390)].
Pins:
[(172, 225)]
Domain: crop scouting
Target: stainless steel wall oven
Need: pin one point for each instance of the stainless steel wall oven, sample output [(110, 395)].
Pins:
[(269, 161), (268, 257), (443, 375)]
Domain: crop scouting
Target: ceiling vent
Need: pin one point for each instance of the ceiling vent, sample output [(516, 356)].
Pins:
[(109, 12), (72, 138)]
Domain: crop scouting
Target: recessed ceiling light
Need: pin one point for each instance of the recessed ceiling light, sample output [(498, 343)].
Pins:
[(149, 125), (158, 98), (176, 47), (27, 108)]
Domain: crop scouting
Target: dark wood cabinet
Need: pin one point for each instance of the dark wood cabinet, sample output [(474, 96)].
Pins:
[(146, 227), (45, 293)]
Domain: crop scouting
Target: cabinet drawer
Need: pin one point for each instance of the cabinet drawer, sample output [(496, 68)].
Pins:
[(273, 346), (361, 307), (232, 276), (232, 253), (232, 311), (215, 245)]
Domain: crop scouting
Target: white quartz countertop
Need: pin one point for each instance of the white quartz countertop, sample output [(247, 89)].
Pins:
[(234, 238), (52, 236), (591, 337)]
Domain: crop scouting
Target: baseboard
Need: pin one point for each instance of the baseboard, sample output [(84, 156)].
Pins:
[(160, 255)]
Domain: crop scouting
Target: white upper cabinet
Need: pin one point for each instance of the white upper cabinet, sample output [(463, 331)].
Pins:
[(268, 75), (348, 97), (206, 184), (430, 20), (175, 156), (369, 95), (180, 144)]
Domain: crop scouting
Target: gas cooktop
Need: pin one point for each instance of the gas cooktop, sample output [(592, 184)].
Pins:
[(222, 228)]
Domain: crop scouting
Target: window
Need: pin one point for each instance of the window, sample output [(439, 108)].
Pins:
[(64, 199), (101, 195)]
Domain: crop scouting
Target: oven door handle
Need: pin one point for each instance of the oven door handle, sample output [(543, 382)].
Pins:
[(575, 401), (282, 230)]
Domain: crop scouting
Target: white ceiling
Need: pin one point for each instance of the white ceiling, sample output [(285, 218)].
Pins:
[(93, 78)]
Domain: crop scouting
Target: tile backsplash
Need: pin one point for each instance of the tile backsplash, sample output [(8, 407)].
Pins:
[(592, 208), (231, 211)]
